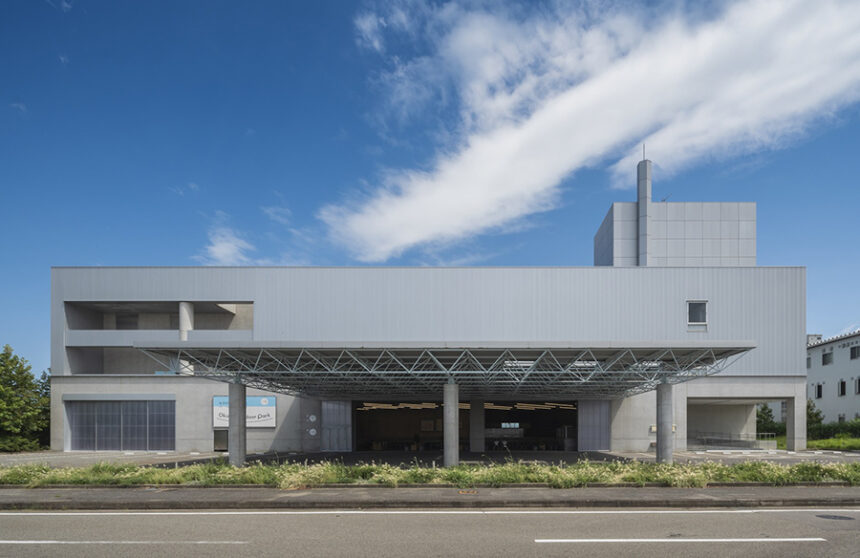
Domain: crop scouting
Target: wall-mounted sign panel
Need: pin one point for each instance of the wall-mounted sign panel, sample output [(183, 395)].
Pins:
[(260, 412)]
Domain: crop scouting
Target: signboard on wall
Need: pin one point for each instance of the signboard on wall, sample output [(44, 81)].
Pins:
[(260, 412)]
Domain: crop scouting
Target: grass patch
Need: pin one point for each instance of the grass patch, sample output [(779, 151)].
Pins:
[(843, 443), (297, 475), (838, 443)]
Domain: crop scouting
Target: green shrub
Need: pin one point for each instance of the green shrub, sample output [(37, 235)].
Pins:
[(293, 475)]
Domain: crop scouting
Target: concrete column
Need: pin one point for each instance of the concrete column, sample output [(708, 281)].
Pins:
[(476, 425), (643, 189), (451, 424), (236, 441), (795, 423), (186, 319), (665, 436)]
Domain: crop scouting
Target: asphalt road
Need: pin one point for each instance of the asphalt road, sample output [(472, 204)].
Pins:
[(641, 533)]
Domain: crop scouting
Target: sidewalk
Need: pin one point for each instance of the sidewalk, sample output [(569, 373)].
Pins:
[(436, 497)]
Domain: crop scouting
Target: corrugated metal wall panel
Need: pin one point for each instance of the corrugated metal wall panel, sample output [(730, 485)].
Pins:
[(593, 425), (470, 305), (336, 423)]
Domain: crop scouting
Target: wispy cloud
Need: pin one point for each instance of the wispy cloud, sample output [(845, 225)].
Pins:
[(368, 27), (186, 188), (64, 6), (20, 107), (226, 247), (538, 97), (850, 328), (277, 213), (229, 246)]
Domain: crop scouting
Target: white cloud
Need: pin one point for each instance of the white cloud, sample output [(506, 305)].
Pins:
[(542, 96), (368, 27), (20, 107), (226, 247)]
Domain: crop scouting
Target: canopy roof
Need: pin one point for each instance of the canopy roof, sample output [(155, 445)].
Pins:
[(408, 370)]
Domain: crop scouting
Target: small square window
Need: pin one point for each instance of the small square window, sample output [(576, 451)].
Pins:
[(826, 358), (840, 418), (855, 352), (841, 388), (818, 391), (697, 312)]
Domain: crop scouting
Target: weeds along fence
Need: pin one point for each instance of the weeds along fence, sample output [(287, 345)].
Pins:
[(849, 428)]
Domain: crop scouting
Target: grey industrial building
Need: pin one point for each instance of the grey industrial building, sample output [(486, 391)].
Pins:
[(674, 335)]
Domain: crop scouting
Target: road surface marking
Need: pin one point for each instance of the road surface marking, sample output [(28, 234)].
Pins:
[(13, 542), (424, 512), (674, 539)]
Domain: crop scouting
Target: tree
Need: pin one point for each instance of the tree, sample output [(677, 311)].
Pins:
[(764, 419), (814, 416), (25, 404)]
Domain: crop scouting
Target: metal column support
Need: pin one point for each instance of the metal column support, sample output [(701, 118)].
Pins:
[(665, 418), (451, 424), (236, 429), (476, 425)]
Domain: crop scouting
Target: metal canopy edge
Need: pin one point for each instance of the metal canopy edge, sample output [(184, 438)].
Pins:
[(396, 370)]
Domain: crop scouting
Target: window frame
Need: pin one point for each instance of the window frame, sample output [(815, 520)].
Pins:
[(855, 353), (697, 301), (841, 388), (824, 360), (819, 391)]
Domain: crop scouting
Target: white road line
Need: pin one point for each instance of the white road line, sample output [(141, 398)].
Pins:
[(672, 540), (14, 542), (423, 512)]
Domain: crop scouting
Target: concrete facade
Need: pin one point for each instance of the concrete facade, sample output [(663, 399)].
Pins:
[(652, 260), (675, 234), (698, 234)]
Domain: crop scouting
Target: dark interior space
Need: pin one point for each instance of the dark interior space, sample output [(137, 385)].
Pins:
[(508, 426)]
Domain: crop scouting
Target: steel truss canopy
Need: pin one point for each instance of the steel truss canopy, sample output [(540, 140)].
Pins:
[(330, 370)]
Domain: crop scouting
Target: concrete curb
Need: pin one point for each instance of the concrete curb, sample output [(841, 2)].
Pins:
[(424, 485), (257, 498), (466, 504)]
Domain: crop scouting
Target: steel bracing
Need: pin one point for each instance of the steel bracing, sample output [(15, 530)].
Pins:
[(581, 373)]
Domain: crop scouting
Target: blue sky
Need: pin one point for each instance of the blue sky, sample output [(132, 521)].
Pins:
[(399, 133)]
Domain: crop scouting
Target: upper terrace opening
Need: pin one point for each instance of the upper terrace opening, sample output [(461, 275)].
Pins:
[(157, 315)]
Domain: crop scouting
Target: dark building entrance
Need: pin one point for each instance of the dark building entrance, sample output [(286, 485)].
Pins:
[(417, 426)]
